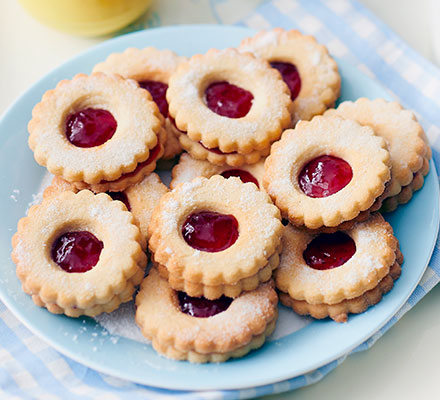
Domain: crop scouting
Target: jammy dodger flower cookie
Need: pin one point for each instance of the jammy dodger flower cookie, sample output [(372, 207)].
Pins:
[(200, 330), (327, 173), (79, 254), (214, 237), (229, 106), (305, 65), (152, 69), (406, 141), (97, 131), (332, 275)]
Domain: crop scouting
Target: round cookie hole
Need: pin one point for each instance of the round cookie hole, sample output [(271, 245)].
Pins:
[(90, 127), (290, 75), (245, 176), (77, 251), (158, 92), (324, 176), (228, 100), (210, 231), (200, 307), (329, 250)]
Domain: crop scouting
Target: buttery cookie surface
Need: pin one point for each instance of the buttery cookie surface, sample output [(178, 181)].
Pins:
[(215, 233), (199, 330), (229, 102), (334, 274), (189, 168), (152, 69), (406, 140), (326, 172), (79, 254), (305, 65), (95, 128)]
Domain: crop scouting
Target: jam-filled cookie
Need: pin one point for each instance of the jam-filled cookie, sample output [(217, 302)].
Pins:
[(200, 330), (216, 236), (332, 275), (327, 172), (97, 130), (406, 140), (229, 102), (140, 199), (305, 65), (79, 254), (189, 168), (152, 69)]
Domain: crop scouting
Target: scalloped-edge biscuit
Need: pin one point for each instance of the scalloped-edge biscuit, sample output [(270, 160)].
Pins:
[(339, 312), (318, 71), (233, 159), (376, 251), (189, 168), (126, 180), (148, 64), (138, 125), (405, 138), (197, 289), (112, 280), (242, 327), (357, 145), (262, 125), (259, 227)]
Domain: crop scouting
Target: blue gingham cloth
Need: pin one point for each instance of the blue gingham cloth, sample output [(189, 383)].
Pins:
[(29, 368)]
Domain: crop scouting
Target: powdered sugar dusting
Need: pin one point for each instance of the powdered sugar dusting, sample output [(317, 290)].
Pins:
[(121, 323)]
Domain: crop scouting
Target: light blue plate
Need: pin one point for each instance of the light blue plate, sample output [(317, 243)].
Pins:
[(83, 340)]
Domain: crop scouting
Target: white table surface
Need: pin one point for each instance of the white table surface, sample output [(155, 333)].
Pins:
[(404, 363)]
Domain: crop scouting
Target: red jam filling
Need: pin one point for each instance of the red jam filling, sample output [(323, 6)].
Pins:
[(76, 251), (324, 176), (158, 92), (153, 155), (200, 307), (290, 76), (245, 176), (228, 100), (329, 251), (120, 196), (210, 231), (90, 127)]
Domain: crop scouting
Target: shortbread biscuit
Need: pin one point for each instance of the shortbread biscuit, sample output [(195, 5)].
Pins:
[(407, 143), (252, 125), (143, 198), (134, 123), (306, 66), (214, 231), (290, 171), (152, 68), (197, 289), (217, 157), (71, 288), (126, 180), (189, 168), (339, 312), (242, 327), (364, 256)]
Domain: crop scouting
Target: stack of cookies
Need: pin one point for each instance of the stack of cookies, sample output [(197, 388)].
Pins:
[(261, 144)]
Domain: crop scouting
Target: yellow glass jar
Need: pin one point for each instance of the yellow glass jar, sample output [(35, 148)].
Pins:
[(86, 17)]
